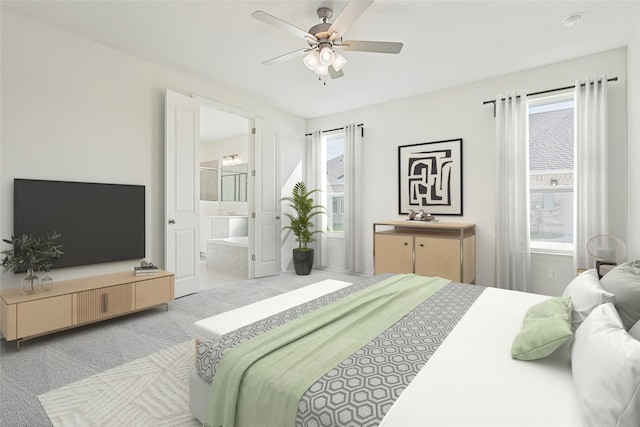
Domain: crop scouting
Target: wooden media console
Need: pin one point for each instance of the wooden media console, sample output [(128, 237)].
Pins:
[(78, 302)]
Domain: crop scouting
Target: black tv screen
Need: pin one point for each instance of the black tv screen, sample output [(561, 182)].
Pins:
[(97, 223)]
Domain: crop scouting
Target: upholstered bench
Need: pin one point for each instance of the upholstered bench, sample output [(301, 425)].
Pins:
[(214, 327)]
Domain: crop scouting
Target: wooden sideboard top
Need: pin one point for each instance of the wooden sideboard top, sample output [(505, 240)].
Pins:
[(427, 224), (64, 287)]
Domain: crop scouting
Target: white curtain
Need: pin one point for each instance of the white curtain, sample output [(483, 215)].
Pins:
[(317, 178), (513, 258), (591, 213), (352, 202)]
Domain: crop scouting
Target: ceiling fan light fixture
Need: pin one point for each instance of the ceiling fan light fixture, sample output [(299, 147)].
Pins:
[(311, 60), (321, 70), (327, 55), (339, 61), (319, 56)]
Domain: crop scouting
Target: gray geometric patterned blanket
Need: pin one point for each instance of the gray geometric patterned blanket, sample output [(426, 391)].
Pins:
[(360, 390)]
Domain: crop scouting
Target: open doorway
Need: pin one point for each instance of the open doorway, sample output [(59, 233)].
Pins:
[(182, 192), (224, 177), (183, 234)]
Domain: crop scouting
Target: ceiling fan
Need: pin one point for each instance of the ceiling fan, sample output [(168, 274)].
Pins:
[(323, 39)]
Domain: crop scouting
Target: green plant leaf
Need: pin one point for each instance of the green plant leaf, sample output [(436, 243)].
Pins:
[(305, 209), (31, 253)]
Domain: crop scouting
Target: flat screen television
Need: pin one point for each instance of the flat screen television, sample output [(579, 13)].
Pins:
[(97, 223)]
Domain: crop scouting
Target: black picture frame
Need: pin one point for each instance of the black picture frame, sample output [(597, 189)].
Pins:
[(430, 177)]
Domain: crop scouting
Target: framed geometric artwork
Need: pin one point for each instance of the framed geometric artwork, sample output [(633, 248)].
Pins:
[(430, 177)]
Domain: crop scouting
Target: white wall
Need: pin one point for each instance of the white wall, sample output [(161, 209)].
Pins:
[(76, 110), (458, 112)]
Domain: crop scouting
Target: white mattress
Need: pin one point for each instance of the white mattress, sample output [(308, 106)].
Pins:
[(470, 380)]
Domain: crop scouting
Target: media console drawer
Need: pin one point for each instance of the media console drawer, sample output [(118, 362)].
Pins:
[(153, 292), (106, 302), (75, 302), (44, 315)]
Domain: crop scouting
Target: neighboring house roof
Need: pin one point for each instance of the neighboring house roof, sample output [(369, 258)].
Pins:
[(551, 140), (335, 174)]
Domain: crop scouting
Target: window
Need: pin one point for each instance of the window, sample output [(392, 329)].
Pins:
[(551, 172), (335, 182)]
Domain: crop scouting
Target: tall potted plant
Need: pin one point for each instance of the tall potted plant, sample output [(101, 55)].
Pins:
[(301, 224), (31, 254)]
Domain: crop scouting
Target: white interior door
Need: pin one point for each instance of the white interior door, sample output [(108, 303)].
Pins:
[(264, 223), (182, 191)]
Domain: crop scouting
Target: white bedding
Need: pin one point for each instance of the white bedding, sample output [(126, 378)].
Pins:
[(470, 380)]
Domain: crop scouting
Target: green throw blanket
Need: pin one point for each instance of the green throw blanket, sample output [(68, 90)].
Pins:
[(260, 382)]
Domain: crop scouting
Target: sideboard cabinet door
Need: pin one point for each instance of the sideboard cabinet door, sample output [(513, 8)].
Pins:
[(438, 256), (394, 253)]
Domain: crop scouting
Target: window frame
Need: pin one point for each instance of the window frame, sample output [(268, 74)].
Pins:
[(541, 246), (337, 134)]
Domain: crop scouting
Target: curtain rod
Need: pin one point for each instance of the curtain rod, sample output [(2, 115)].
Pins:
[(342, 128), (493, 101)]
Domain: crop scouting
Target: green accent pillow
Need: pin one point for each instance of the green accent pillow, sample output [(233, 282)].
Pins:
[(545, 327)]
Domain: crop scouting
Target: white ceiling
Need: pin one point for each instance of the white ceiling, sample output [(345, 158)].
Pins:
[(446, 43)]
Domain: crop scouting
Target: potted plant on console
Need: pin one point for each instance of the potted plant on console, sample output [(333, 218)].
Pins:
[(31, 254), (301, 224)]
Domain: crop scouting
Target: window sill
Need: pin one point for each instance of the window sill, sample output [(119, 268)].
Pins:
[(551, 251), (335, 235)]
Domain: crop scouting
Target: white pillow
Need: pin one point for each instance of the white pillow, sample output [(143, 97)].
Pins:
[(586, 293), (635, 331), (624, 282), (605, 362)]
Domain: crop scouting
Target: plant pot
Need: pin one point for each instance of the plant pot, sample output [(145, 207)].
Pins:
[(303, 260)]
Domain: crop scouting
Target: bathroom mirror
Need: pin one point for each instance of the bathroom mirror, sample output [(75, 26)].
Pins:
[(209, 188), (234, 183)]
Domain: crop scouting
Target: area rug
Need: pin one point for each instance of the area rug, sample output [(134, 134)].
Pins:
[(151, 391)]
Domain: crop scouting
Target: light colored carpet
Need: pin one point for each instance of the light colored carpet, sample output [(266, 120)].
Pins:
[(151, 391), (52, 361)]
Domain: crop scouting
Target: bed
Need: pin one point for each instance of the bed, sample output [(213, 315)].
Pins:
[(455, 368)]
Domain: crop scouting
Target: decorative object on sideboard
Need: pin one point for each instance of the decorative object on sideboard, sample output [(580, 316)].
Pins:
[(420, 216), (46, 283), (32, 254), (430, 177), (301, 224), (30, 283), (145, 268)]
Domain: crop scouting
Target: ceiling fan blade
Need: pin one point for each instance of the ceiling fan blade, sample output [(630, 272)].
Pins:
[(367, 46), (283, 25), (352, 10), (286, 57), (335, 74)]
